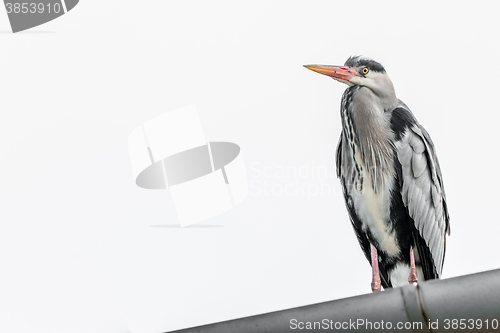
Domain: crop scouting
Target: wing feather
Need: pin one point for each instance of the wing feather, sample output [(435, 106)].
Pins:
[(423, 191), (418, 164)]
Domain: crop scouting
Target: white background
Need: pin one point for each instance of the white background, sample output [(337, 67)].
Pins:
[(83, 249)]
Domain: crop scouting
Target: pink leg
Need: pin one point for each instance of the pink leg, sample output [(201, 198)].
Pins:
[(375, 271), (412, 278)]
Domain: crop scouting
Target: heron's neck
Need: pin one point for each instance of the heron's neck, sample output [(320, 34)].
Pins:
[(389, 102), (367, 128), (382, 88)]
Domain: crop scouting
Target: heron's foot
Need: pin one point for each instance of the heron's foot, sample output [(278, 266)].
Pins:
[(412, 278), (375, 272), (376, 284)]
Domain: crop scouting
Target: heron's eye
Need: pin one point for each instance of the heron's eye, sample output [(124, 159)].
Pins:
[(365, 70)]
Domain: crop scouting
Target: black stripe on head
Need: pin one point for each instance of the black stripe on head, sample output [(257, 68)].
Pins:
[(401, 119), (359, 61)]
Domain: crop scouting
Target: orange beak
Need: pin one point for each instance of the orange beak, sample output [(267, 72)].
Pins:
[(339, 72)]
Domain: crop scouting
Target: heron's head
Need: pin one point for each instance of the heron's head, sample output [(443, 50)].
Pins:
[(362, 71)]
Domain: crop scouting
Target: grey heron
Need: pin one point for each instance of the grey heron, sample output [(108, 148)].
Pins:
[(391, 178)]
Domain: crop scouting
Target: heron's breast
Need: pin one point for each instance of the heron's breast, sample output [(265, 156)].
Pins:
[(373, 209)]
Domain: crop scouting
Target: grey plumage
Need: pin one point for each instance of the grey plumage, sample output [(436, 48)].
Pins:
[(389, 171), (423, 191)]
